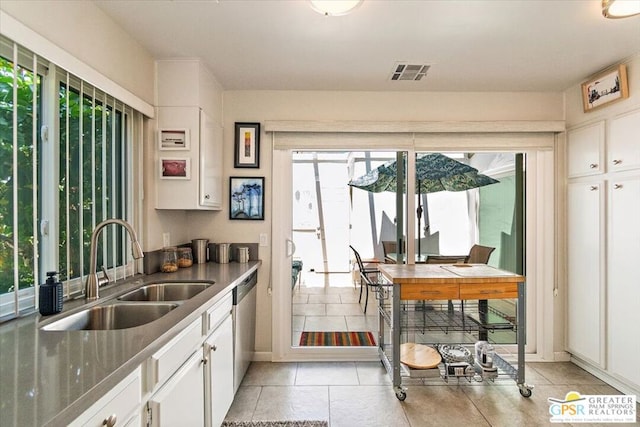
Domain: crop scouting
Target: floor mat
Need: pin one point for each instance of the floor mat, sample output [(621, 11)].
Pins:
[(334, 339)]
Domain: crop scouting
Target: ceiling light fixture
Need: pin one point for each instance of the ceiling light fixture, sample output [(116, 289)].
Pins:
[(620, 8), (334, 7)]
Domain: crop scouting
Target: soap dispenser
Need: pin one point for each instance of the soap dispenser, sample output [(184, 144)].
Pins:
[(51, 295)]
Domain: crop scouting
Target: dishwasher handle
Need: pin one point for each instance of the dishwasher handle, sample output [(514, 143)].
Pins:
[(240, 291)]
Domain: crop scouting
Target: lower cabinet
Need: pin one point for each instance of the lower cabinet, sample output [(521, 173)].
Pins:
[(188, 382), (586, 258), (117, 407), (623, 285), (190, 379), (218, 352), (181, 401)]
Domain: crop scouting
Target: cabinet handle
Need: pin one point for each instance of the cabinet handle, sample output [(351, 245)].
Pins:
[(617, 186), (111, 421), (593, 165), (214, 347), (617, 161), (204, 360), (206, 196), (593, 188)]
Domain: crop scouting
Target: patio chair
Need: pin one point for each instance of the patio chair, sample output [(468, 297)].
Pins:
[(368, 277), (447, 259), (479, 254), (389, 247)]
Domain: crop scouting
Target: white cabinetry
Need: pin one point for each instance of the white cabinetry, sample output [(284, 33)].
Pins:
[(623, 284), (603, 245), (218, 352), (119, 406), (624, 142), (190, 379), (180, 402), (586, 150), (585, 317), (198, 185)]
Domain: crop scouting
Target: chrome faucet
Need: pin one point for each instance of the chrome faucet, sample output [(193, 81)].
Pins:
[(93, 282)]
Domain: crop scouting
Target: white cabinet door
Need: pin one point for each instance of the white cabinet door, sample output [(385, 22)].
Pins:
[(624, 142), (586, 150), (210, 162), (117, 407), (585, 317), (180, 402), (623, 285), (218, 349)]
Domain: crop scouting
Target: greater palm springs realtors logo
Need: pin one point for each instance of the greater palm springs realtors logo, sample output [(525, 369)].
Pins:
[(576, 408)]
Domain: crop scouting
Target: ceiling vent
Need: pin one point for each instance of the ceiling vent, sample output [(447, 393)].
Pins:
[(405, 71)]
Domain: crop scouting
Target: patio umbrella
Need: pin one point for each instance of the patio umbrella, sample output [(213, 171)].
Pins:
[(434, 172)]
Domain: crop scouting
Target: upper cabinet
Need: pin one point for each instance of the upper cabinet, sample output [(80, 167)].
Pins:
[(586, 150), (189, 143), (624, 142), (189, 160)]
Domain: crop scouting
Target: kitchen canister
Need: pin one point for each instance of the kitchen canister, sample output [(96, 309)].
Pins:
[(222, 253), (200, 249), (243, 254)]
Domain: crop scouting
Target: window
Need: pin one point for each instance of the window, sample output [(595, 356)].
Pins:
[(52, 195)]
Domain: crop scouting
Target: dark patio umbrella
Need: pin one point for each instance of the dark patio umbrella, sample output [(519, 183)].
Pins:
[(434, 172)]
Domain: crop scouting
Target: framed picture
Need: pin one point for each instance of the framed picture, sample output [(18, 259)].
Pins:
[(175, 168), (247, 145), (173, 139), (606, 87), (246, 198)]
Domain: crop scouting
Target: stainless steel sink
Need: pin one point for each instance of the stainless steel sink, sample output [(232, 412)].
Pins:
[(112, 316), (165, 292)]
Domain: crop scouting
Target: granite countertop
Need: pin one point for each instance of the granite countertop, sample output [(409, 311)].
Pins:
[(51, 377)]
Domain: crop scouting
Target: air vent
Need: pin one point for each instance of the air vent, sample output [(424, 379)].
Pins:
[(405, 71)]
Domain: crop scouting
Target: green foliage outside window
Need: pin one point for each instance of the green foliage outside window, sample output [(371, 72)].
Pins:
[(24, 80), (91, 184)]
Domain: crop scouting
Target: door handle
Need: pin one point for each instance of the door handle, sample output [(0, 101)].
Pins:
[(291, 248)]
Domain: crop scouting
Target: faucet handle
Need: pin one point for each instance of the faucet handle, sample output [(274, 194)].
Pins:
[(104, 280)]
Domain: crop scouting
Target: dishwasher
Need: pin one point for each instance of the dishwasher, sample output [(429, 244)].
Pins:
[(243, 314)]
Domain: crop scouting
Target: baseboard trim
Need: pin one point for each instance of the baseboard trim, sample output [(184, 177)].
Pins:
[(606, 377), (261, 356)]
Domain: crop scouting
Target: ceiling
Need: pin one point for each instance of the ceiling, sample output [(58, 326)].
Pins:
[(476, 45)]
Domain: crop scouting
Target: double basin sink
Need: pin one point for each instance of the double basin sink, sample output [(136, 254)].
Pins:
[(134, 308)]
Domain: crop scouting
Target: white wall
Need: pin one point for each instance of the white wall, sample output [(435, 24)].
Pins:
[(260, 106), (83, 30)]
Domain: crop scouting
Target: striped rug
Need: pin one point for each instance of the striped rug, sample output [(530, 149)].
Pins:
[(332, 339), (275, 424)]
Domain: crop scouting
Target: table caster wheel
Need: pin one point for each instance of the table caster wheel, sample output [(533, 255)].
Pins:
[(525, 391), (401, 395)]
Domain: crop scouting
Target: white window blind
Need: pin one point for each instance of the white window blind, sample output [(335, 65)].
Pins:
[(67, 164)]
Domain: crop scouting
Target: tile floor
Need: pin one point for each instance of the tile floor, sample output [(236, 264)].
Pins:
[(354, 394)]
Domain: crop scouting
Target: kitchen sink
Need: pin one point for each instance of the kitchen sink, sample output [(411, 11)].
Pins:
[(112, 316), (176, 291)]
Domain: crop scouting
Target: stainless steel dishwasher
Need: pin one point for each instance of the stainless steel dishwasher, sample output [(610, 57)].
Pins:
[(243, 314)]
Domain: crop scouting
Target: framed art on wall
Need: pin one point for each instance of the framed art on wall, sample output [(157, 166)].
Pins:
[(175, 168), (606, 87), (246, 198), (247, 145), (173, 139)]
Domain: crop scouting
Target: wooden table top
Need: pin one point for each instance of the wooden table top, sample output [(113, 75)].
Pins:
[(446, 273)]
